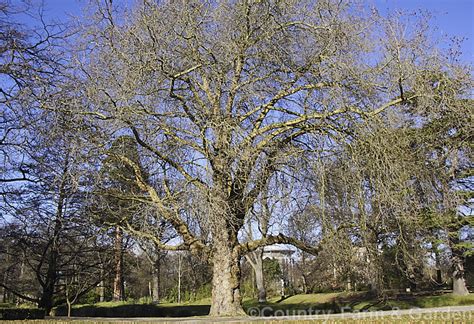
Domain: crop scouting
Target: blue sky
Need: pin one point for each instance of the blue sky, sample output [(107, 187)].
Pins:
[(452, 17)]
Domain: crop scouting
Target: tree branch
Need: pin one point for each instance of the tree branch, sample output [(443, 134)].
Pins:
[(250, 246)]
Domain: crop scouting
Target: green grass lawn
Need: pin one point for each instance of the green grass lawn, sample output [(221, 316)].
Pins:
[(330, 303), (294, 305), (310, 304)]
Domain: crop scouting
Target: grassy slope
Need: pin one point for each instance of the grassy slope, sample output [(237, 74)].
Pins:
[(338, 302)]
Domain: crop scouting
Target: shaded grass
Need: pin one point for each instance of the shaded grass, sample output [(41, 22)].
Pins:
[(327, 303)]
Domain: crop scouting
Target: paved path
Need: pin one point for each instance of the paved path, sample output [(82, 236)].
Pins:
[(416, 313)]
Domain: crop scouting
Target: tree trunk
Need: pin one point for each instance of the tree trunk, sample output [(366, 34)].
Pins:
[(375, 266), (303, 273), (457, 259), (4, 290), (5, 276), (439, 277), (101, 291), (46, 300), (226, 298), (155, 289), (255, 259), (49, 284), (305, 283), (68, 302), (459, 281), (119, 289), (179, 278), (69, 307), (259, 279)]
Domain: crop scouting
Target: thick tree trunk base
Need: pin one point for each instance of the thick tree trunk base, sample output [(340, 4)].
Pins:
[(46, 302), (226, 299)]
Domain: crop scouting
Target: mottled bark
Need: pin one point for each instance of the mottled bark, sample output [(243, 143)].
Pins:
[(226, 298)]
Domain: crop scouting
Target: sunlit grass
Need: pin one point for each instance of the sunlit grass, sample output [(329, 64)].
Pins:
[(317, 298), (435, 301)]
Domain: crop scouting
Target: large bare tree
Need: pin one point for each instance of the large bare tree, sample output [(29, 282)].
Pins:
[(223, 95)]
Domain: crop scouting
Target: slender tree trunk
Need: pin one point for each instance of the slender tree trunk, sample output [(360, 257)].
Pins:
[(101, 291), (179, 278), (5, 277), (439, 277), (69, 307), (305, 283), (49, 284), (119, 289), (303, 273), (101, 285), (46, 300), (4, 290), (226, 299), (260, 280), (68, 302), (155, 289), (375, 267), (255, 259)]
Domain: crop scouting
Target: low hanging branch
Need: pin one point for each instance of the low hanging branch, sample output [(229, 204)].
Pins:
[(190, 241)]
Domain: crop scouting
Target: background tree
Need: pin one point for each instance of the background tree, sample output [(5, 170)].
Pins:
[(112, 206), (29, 62), (46, 217)]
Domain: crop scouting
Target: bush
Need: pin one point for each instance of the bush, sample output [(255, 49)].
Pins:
[(135, 311), (21, 313)]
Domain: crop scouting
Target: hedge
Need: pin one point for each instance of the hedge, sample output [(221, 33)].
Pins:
[(21, 313)]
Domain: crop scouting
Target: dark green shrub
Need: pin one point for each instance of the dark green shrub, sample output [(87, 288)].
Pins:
[(21, 313), (135, 311)]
